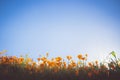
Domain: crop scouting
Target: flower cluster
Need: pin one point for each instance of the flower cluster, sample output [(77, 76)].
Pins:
[(58, 65)]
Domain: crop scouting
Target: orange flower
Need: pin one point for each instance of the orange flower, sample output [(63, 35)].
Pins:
[(73, 63), (11, 60), (69, 57), (20, 60), (79, 56), (44, 59), (58, 64), (51, 64), (79, 63), (34, 63), (90, 64), (58, 59), (4, 59), (38, 59), (64, 64), (83, 58)]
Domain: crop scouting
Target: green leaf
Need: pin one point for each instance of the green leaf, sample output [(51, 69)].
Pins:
[(113, 54)]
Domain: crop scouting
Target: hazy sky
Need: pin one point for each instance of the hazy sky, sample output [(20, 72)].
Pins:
[(60, 27)]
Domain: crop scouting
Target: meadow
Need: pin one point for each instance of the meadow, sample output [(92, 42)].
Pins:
[(56, 68)]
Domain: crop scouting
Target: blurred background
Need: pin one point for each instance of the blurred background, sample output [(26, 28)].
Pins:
[(60, 27)]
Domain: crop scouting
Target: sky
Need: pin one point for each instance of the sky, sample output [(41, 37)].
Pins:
[(60, 27)]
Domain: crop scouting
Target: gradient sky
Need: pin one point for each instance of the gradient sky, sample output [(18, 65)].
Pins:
[(60, 27)]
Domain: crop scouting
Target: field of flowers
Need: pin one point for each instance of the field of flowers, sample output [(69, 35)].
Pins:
[(24, 68)]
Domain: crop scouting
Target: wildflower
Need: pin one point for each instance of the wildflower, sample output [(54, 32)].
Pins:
[(38, 59), (51, 64), (79, 62), (83, 58), (34, 63), (69, 57), (96, 62), (11, 60), (29, 60), (90, 64), (73, 63), (4, 59), (64, 64), (21, 58), (58, 64), (44, 59), (79, 56), (58, 59)]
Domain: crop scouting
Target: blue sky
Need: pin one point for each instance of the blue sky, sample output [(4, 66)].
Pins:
[(60, 27)]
